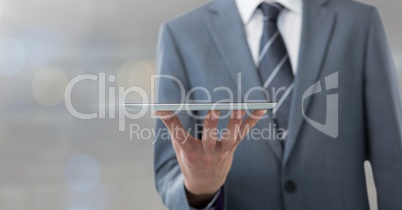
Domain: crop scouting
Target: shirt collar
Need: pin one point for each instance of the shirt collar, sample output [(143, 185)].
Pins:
[(247, 7)]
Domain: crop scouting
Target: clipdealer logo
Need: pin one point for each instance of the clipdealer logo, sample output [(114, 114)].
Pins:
[(330, 127)]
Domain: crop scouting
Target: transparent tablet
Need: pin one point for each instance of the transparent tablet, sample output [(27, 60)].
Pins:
[(201, 106)]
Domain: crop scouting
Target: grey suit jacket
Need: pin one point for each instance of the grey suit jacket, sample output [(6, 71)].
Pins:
[(345, 66)]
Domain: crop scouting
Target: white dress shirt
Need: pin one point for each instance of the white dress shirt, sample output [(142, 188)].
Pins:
[(289, 26)]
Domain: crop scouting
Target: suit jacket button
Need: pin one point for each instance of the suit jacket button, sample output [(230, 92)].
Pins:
[(290, 186)]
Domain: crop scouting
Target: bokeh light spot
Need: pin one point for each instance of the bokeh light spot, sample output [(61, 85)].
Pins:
[(136, 73), (48, 86), (42, 44), (12, 56), (82, 173)]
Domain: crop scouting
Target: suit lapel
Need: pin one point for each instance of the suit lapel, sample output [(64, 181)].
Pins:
[(227, 31), (317, 29)]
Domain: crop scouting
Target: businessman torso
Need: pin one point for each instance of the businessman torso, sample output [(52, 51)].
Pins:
[(343, 108)]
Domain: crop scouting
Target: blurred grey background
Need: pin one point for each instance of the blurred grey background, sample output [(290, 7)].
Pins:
[(52, 160)]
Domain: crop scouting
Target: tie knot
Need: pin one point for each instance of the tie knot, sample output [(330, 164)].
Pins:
[(270, 10)]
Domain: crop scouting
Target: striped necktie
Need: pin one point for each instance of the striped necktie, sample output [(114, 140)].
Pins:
[(274, 68)]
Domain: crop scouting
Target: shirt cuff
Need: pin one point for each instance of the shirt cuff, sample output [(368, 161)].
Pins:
[(210, 205)]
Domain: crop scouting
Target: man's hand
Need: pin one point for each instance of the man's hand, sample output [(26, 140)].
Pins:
[(205, 163)]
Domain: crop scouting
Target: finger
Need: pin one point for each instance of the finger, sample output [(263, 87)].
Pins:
[(176, 130), (249, 123), (210, 131), (229, 138)]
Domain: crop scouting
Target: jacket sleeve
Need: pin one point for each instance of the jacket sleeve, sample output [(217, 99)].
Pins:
[(169, 179), (383, 117)]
